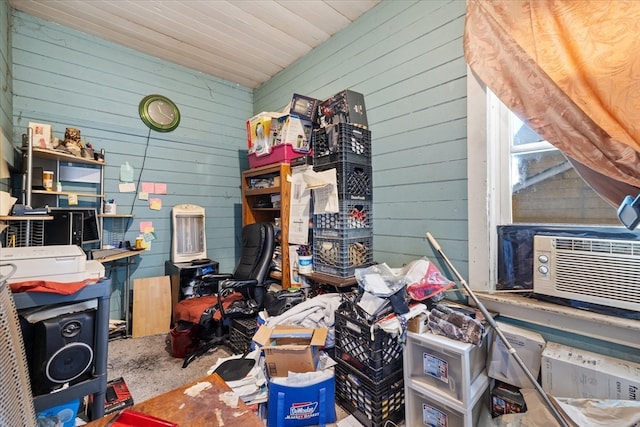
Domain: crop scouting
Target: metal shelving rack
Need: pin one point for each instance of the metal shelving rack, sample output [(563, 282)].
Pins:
[(30, 231)]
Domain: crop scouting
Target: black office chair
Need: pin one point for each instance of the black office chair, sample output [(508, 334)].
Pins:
[(240, 294)]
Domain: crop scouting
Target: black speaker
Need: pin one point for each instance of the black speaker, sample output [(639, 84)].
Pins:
[(60, 350)]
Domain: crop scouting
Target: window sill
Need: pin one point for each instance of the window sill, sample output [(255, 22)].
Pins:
[(599, 326)]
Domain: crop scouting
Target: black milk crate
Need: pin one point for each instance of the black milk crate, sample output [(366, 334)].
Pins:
[(373, 352), (342, 142), (241, 334), (354, 181), (353, 218), (340, 257), (373, 404)]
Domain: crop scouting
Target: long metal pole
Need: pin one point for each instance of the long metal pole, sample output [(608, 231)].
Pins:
[(554, 411)]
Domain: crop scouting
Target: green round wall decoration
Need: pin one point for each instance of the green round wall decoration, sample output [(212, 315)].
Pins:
[(159, 113)]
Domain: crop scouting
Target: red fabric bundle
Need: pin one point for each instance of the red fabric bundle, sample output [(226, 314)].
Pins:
[(190, 310), (62, 288)]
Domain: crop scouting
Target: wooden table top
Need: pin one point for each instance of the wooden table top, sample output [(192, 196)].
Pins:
[(204, 402), (325, 279), (118, 256)]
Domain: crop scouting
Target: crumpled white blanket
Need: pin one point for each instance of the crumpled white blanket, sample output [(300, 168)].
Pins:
[(316, 312), (580, 412)]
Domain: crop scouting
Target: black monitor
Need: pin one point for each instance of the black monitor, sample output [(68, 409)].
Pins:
[(72, 226)]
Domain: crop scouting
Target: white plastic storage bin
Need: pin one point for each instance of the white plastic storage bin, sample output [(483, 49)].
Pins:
[(425, 407), (451, 368)]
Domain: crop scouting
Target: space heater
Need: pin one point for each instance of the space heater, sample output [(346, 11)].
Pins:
[(189, 242), (593, 270)]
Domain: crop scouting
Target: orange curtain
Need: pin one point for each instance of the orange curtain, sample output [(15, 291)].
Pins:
[(571, 71)]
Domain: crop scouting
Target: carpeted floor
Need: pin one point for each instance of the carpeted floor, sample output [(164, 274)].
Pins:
[(149, 369)]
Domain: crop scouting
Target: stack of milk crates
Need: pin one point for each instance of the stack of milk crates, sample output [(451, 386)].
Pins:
[(343, 241), (369, 369)]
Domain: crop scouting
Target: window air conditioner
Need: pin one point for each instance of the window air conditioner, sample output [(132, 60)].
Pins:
[(598, 271)]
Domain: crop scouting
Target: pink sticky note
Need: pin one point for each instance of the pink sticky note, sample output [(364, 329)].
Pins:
[(148, 187), (145, 226), (160, 188)]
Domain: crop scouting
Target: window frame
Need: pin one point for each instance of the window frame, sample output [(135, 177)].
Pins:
[(487, 167)]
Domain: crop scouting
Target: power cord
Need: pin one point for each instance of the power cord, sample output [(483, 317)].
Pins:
[(144, 159)]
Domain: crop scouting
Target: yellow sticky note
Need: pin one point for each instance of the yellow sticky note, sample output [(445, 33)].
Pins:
[(155, 204)]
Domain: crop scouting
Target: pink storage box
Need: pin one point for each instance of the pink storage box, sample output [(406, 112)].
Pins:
[(281, 153)]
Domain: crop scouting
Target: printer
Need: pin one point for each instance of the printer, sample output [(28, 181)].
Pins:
[(55, 263)]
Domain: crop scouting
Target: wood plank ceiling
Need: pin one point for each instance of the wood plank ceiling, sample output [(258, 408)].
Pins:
[(244, 41)]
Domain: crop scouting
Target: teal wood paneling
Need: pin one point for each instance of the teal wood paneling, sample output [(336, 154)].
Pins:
[(6, 90), (407, 59), (70, 79)]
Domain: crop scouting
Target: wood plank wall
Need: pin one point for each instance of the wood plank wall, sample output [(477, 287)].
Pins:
[(407, 59), (6, 84), (69, 79)]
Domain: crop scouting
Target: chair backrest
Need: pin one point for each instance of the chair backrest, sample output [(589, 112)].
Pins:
[(258, 242)]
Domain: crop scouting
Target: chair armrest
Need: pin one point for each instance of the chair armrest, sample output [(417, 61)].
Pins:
[(215, 277), (237, 285)]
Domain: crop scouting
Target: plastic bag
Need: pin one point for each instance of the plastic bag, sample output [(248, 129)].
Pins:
[(456, 325), (424, 280), (380, 280), (421, 278)]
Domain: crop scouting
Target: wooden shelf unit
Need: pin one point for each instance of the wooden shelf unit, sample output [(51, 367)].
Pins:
[(252, 214)]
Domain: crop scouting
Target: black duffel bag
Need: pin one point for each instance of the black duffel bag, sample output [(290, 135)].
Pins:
[(278, 302)]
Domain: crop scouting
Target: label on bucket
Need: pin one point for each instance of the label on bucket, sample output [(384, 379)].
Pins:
[(305, 264)]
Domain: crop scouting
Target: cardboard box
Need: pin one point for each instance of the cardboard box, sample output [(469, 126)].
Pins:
[(41, 137), (506, 399), (500, 363), (574, 373), (344, 107), (418, 324), (290, 348), (303, 106), (259, 132), (61, 415), (117, 397), (292, 130)]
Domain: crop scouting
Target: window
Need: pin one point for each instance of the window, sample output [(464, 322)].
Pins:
[(493, 201), (485, 169), (541, 185)]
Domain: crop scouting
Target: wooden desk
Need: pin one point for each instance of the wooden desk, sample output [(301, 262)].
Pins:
[(204, 408), (114, 261), (118, 256)]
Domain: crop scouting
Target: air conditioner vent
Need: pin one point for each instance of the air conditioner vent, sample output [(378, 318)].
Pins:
[(599, 271), (619, 247)]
